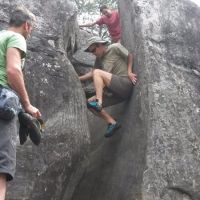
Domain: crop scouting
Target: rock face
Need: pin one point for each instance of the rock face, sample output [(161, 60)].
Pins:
[(156, 153), (51, 170), (165, 39)]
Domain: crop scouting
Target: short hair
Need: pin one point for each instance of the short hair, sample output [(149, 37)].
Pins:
[(21, 15), (101, 8)]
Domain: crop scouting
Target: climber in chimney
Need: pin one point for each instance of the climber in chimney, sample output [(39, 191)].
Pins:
[(112, 76), (111, 19), (12, 89)]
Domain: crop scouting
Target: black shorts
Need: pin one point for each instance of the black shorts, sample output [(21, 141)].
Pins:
[(121, 86), (119, 90), (8, 141)]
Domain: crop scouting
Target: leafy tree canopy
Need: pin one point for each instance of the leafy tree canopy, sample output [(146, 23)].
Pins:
[(89, 10), (92, 6)]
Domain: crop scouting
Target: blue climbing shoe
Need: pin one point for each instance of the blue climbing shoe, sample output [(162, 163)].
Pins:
[(94, 105), (111, 128)]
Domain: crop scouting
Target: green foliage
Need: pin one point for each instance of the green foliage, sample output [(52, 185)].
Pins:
[(92, 6), (90, 9)]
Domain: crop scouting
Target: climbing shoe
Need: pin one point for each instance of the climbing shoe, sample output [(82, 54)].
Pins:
[(23, 134), (94, 105), (30, 126), (111, 128)]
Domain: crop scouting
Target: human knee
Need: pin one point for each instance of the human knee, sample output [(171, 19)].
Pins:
[(97, 72)]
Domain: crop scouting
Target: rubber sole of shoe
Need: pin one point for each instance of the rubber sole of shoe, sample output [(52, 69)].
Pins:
[(23, 134), (32, 126)]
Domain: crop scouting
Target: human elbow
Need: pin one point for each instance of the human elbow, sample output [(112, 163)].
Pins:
[(12, 72)]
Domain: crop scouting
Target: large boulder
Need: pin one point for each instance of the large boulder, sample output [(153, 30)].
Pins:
[(156, 153), (51, 170), (165, 40)]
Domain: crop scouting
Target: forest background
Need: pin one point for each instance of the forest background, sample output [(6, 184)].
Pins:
[(88, 11)]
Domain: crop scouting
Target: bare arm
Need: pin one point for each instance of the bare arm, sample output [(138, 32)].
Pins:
[(16, 80), (131, 74), (86, 76), (88, 24)]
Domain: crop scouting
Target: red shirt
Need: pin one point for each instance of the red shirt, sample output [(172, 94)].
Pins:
[(113, 24)]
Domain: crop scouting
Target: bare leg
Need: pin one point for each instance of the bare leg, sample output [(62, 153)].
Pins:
[(93, 98), (2, 186), (103, 114), (108, 118), (101, 79)]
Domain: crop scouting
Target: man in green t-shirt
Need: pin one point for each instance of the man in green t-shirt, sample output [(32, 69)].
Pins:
[(12, 54), (112, 76)]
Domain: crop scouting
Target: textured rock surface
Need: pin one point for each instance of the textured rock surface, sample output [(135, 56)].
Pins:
[(156, 154), (166, 42), (51, 170)]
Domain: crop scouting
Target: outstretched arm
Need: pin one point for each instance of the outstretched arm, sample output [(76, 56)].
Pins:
[(16, 80), (88, 24), (86, 76), (132, 76)]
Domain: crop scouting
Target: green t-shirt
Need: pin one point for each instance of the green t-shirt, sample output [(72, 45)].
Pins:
[(10, 39), (114, 60)]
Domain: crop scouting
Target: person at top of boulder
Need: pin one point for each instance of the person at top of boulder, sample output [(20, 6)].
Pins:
[(111, 19)]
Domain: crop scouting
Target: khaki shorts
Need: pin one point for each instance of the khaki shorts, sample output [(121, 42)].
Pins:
[(119, 90)]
